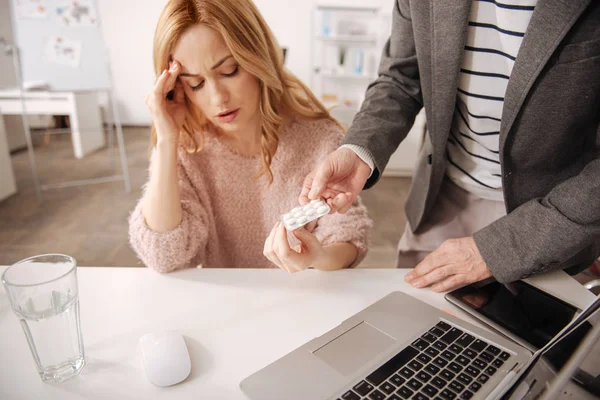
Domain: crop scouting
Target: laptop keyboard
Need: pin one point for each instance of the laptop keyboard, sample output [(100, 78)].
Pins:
[(444, 363)]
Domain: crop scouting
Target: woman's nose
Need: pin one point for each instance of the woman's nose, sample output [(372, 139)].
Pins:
[(218, 95)]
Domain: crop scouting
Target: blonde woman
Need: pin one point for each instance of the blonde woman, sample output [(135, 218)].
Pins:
[(234, 134)]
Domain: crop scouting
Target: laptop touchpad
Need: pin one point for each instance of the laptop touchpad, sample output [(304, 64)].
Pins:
[(356, 347)]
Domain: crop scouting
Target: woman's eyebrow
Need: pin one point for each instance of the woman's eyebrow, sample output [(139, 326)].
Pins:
[(217, 65)]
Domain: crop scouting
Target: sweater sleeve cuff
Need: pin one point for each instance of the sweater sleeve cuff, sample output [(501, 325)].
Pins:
[(363, 154)]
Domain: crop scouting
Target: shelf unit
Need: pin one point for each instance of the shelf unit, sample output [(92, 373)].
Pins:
[(345, 46), (348, 38), (342, 87)]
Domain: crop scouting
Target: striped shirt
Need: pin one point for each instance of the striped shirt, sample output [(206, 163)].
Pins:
[(494, 36)]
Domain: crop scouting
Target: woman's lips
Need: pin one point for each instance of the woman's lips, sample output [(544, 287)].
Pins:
[(228, 116)]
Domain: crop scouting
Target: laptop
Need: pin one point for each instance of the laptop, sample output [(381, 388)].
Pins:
[(402, 348)]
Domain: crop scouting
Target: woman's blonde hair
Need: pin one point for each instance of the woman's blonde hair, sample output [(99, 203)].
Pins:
[(254, 47)]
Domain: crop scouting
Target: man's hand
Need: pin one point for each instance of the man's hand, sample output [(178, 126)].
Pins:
[(338, 179), (456, 263)]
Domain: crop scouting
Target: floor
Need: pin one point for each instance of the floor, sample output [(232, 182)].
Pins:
[(90, 222)]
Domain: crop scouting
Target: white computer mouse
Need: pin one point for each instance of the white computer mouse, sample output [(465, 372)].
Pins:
[(165, 357)]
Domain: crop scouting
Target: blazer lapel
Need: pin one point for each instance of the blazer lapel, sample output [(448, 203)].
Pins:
[(550, 22), (449, 20)]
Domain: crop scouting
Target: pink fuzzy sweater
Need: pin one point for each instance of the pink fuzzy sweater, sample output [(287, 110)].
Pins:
[(228, 214)]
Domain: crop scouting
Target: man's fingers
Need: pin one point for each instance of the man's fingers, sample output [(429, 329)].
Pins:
[(328, 193), (455, 263), (451, 283), (319, 181), (346, 200), (339, 202), (306, 186), (433, 260), (434, 276)]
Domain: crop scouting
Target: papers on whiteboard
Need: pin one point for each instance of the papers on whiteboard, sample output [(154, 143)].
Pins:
[(77, 13), (36, 9), (63, 51)]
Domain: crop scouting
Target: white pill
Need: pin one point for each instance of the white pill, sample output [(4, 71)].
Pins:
[(298, 214), (296, 209), (302, 220), (322, 209), (291, 221), (307, 207), (314, 201), (309, 211), (287, 217)]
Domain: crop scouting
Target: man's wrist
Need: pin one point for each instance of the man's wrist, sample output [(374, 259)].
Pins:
[(362, 153)]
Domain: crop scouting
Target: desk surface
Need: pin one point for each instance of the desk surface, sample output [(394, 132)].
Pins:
[(33, 94), (235, 322)]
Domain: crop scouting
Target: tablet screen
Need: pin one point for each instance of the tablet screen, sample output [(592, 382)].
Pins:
[(527, 312)]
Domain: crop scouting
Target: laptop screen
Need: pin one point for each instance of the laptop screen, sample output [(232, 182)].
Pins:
[(558, 353)]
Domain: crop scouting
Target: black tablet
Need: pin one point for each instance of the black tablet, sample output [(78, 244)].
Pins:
[(522, 312)]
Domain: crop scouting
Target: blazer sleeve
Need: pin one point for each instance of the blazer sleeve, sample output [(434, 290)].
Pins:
[(393, 100), (545, 233)]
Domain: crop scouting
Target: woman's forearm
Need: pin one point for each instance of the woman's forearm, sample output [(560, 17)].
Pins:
[(339, 255), (162, 203)]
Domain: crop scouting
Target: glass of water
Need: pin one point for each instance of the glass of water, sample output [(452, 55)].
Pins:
[(43, 294)]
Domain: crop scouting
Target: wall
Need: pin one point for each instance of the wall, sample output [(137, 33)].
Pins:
[(8, 186), (129, 29), (7, 77)]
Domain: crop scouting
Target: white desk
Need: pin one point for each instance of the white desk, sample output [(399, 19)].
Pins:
[(234, 321), (82, 108)]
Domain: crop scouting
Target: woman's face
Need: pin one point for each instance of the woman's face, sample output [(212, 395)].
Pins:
[(214, 82)]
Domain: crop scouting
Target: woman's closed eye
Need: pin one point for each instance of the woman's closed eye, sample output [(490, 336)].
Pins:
[(198, 86), (232, 73), (225, 74)]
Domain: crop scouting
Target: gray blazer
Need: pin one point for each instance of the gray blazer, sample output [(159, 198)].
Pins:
[(549, 135)]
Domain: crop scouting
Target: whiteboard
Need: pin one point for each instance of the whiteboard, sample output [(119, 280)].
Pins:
[(61, 44)]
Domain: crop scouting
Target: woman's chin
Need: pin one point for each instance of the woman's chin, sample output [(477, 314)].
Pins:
[(229, 127)]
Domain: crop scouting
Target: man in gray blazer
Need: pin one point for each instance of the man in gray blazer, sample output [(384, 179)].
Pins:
[(508, 179)]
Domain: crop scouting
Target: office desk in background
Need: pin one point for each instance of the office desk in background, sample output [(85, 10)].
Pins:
[(87, 129), (235, 321)]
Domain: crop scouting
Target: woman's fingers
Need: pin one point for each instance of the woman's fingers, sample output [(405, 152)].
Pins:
[(311, 225), (268, 250), (159, 85), (179, 93), (283, 251), (165, 82), (171, 79)]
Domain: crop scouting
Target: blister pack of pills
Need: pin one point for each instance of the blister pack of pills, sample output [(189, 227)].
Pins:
[(302, 215)]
